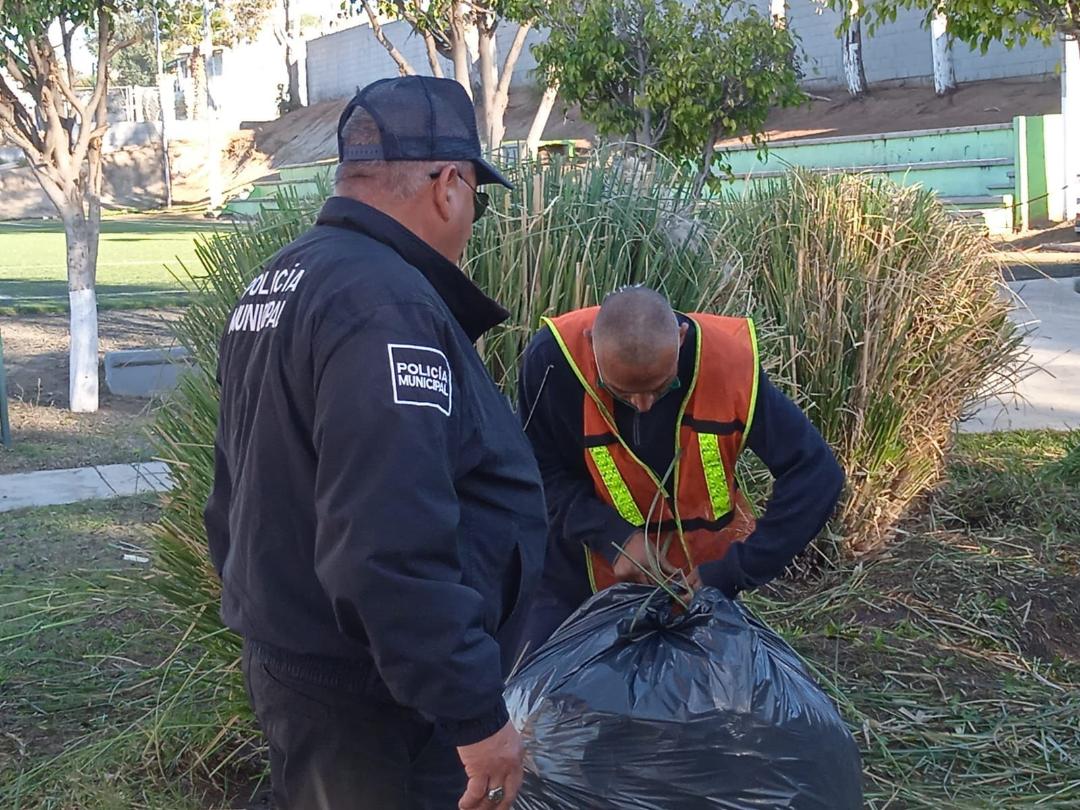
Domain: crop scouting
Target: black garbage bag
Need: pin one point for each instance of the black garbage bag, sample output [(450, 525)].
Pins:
[(634, 704)]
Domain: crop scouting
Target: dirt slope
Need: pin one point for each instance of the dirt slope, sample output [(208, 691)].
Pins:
[(133, 175)]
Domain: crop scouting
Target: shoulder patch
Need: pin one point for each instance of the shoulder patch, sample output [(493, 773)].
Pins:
[(420, 375)]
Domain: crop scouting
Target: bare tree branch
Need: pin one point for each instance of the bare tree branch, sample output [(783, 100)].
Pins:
[(459, 50), (66, 35), (49, 104), (429, 37), (66, 115), (403, 64), (19, 118), (51, 185), (433, 56), (67, 88), (13, 65), (127, 43), (38, 70), (543, 112), (15, 126), (511, 59), (97, 101), (410, 15)]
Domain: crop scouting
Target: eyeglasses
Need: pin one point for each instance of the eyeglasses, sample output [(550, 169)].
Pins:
[(481, 199), (673, 384)]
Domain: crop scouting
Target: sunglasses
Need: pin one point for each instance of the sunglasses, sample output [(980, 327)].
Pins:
[(481, 199)]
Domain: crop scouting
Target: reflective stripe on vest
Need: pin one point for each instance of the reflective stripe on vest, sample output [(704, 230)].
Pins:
[(616, 486), (715, 475)]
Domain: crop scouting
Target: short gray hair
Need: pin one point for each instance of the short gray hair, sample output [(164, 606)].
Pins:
[(633, 322), (402, 178)]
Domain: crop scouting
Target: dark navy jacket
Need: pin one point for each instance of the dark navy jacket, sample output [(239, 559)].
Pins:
[(807, 481), (375, 503)]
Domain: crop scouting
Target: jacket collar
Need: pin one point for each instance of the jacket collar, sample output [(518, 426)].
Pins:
[(473, 310)]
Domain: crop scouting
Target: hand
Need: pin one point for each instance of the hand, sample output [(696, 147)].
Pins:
[(489, 764), (636, 550), (693, 579)]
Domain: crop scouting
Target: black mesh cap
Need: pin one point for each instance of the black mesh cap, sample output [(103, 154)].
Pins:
[(419, 118)]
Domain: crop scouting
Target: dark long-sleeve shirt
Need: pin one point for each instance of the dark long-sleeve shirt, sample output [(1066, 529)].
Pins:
[(807, 483)]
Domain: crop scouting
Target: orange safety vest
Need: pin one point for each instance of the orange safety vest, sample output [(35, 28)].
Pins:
[(709, 511)]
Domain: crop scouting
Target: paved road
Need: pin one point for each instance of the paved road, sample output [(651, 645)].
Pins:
[(1050, 396)]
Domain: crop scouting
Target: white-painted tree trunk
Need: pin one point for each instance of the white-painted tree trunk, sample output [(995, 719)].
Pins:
[(778, 12), (83, 356), (83, 350), (543, 112), (944, 72), (214, 183), (1070, 114), (854, 71), (296, 65)]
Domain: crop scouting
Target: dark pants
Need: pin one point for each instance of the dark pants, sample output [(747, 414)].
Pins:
[(332, 748)]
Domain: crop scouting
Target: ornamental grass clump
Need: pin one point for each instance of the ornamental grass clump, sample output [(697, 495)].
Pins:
[(896, 327)]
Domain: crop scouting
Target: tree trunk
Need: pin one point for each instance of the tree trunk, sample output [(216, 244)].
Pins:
[(854, 71), (292, 66), (497, 97), (778, 12), (489, 79), (543, 112), (708, 153), (81, 241), (459, 48), (944, 72), (199, 96), (1070, 113), (433, 56), (404, 68), (167, 108)]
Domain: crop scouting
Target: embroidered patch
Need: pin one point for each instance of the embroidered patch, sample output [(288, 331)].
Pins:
[(421, 376)]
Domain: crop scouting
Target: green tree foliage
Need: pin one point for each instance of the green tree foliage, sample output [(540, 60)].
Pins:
[(670, 76), (981, 22), (231, 21)]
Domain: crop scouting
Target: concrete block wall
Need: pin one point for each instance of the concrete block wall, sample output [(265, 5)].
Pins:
[(340, 62), (815, 28), (899, 51), (1033, 59)]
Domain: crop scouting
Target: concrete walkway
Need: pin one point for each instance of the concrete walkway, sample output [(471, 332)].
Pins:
[(1050, 396), (56, 487)]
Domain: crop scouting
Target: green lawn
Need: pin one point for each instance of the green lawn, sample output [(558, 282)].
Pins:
[(955, 657), (137, 257)]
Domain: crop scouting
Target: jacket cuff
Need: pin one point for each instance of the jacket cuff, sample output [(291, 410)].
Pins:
[(467, 732), (725, 574), (612, 538)]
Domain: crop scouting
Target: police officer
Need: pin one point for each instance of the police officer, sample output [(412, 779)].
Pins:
[(637, 415), (377, 516)]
